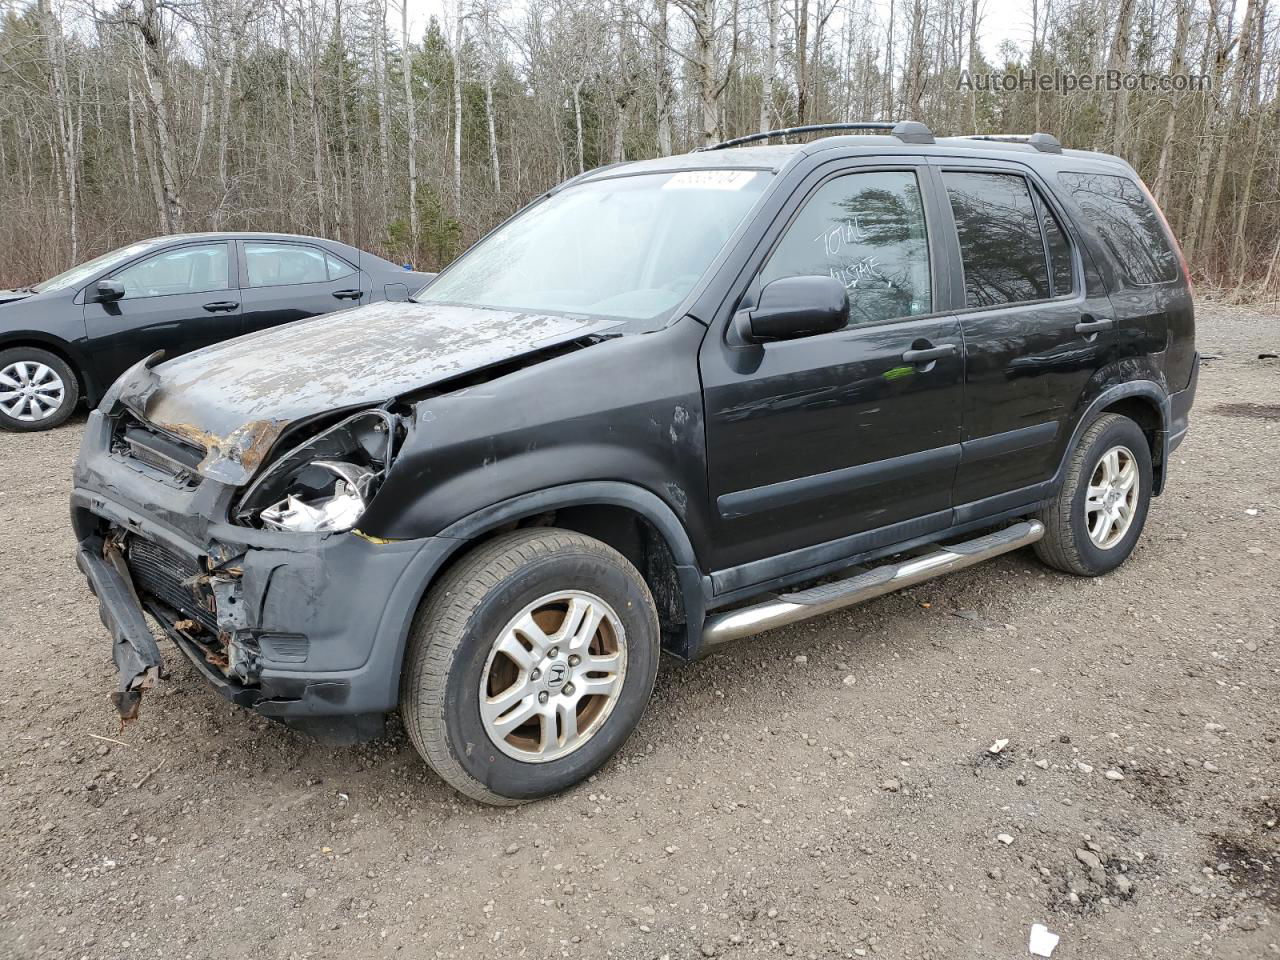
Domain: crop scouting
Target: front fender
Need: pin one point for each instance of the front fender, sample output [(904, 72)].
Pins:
[(627, 410)]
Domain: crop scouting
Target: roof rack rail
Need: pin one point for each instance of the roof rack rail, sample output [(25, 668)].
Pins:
[(908, 131), (1044, 142)]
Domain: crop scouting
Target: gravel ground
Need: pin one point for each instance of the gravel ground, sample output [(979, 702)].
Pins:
[(825, 791)]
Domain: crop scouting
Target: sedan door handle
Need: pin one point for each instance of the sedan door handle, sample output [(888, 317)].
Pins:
[(221, 306), (348, 294), (929, 354), (1094, 326)]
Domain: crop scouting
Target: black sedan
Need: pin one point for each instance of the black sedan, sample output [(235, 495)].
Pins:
[(71, 336)]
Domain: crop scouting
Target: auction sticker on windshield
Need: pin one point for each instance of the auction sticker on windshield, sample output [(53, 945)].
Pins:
[(709, 180)]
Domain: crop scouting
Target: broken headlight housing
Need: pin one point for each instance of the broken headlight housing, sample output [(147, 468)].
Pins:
[(324, 484)]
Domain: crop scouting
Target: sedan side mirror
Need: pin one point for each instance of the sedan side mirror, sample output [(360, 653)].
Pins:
[(107, 290), (793, 307)]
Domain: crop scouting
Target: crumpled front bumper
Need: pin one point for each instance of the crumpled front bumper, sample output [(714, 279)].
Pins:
[(309, 629)]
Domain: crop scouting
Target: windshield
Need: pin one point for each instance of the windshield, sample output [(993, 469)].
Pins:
[(85, 271), (628, 248)]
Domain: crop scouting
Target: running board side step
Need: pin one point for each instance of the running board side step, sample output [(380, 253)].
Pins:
[(788, 608)]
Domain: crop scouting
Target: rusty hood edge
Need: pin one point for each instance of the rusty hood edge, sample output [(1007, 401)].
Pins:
[(236, 398)]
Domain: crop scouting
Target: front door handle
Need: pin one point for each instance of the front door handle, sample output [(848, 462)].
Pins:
[(1094, 326), (929, 354), (221, 306), (348, 294)]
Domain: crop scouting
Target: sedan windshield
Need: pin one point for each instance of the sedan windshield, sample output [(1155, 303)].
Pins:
[(86, 271), (628, 248)]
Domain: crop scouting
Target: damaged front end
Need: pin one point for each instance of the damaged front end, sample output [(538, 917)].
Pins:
[(192, 580)]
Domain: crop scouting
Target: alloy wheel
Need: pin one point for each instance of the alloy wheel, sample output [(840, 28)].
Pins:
[(1112, 498), (553, 676)]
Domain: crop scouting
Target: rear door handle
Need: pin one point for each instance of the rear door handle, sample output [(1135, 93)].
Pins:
[(929, 354), (221, 306), (348, 294), (1094, 326)]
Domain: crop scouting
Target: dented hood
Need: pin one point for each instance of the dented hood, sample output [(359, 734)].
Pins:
[(234, 399)]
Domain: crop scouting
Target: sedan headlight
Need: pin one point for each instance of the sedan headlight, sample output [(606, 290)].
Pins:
[(324, 484)]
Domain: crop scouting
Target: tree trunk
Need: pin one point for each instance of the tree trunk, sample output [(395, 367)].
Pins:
[(1244, 61), (457, 112), (662, 89), (705, 47), (149, 28), (411, 124), (771, 12), (1177, 65), (802, 60)]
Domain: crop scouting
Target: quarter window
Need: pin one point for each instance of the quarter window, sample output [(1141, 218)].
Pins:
[(1000, 243), (279, 264), (868, 231), (1127, 223), (198, 268), (338, 268)]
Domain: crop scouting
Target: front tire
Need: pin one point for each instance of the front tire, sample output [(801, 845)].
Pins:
[(1095, 521), (38, 391), (529, 665)]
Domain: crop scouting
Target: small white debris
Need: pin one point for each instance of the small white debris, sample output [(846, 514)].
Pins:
[(850, 680), (801, 658), (1084, 767), (998, 745), (1004, 838), (1251, 512), (1042, 941), (1114, 775), (1042, 764)]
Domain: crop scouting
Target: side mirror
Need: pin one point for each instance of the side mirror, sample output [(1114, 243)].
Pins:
[(107, 290), (793, 307)]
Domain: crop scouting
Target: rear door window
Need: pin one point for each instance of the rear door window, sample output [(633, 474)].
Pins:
[(1001, 246), (1128, 224), (279, 264), (866, 230)]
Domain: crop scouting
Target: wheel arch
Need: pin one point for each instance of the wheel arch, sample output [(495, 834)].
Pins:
[(1147, 404), (62, 350), (634, 521)]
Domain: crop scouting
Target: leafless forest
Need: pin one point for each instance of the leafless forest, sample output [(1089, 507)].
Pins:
[(333, 117)]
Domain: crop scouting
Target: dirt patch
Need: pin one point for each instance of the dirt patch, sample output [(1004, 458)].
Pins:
[(1255, 411), (1251, 861)]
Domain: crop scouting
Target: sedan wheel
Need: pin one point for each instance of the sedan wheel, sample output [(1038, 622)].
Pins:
[(37, 389), (30, 391)]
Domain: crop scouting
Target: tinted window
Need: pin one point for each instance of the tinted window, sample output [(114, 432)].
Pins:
[(867, 230), (1000, 242), (338, 268), (1059, 250), (276, 264), (194, 269), (1128, 224)]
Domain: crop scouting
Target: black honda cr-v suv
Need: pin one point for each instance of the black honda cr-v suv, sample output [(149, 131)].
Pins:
[(670, 404)]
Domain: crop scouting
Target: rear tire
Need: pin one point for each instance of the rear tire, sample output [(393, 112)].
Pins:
[(1097, 517), (529, 665), (38, 390)]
